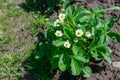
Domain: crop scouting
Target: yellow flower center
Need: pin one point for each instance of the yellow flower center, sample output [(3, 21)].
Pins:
[(87, 33), (58, 34), (66, 44), (60, 21), (62, 16), (79, 33)]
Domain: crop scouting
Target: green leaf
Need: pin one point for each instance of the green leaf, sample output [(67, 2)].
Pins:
[(70, 18), (86, 11), (75, 49), (49, 33), (68, 32), (70, 10), (51, 22), (76, 67), (87, 71), (98, 41), (55, 58), (42, 45), (81, 58), (99, 15), (65, 4), (83, 19), (114, 35), (94, 22), (81, 11), (80, 15), (104, 49), (94, 53), (77, 11), (54, 62), (40, 52), (108, 58), (109, 23), (58, 43), (64, 62), (112, 8)]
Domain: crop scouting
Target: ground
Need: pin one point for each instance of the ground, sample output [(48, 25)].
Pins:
[(19, 29), (17, 38)]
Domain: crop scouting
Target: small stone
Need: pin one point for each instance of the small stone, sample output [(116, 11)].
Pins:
[(116, 64)]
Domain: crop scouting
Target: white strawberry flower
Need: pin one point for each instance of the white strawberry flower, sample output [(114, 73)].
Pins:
[(56, 23), (67, 44), (62, 16), (79, 33), (61, 21), (58, 33), (88, 34)]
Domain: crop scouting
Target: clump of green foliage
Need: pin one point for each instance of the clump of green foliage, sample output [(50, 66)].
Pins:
[(77, 36)]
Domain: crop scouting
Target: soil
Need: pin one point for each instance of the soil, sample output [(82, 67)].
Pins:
[(101, 70)]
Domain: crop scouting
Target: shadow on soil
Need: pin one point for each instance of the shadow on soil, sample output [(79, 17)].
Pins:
[(40, 6), (40, 69), (37, 69)]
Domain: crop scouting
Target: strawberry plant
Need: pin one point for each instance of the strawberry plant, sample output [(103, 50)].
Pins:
[(76, 37)]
